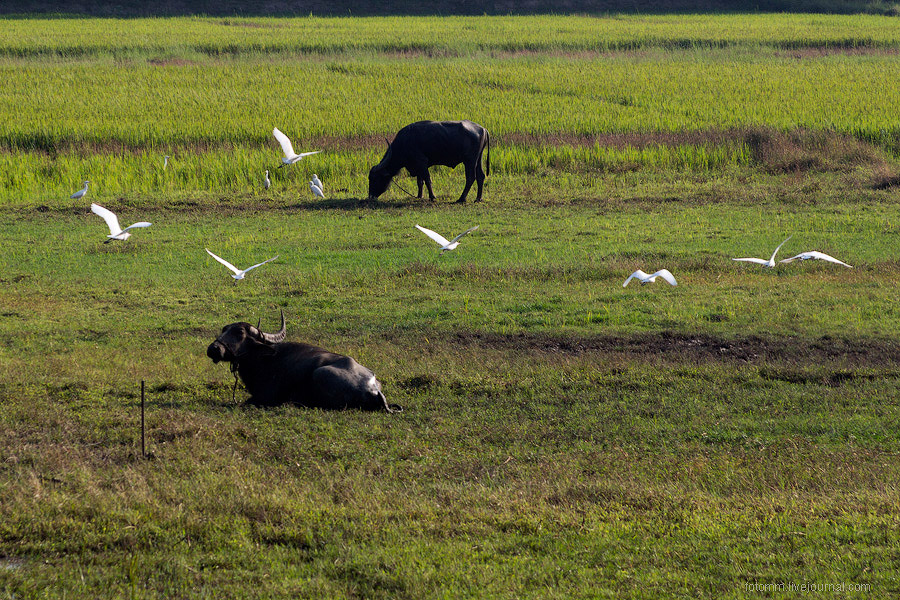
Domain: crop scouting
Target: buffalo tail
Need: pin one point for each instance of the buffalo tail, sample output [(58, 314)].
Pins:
[(487, 170)]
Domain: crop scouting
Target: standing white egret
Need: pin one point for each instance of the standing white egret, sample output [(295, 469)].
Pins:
[(815, 255), (442, 241), (766, 263), (290, 157), (80, 193), (165, 161), (112, 221), (267, 181), (238, 273), (316, 189), (644, 278), (318, 182)]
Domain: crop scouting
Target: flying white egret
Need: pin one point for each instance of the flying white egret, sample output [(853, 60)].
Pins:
[(444, 243), (290, 157), (267, 181), (238, 273), (112, 221), (644, 278), (766, 263), (318, 182), (815, 255), (165, 161), (316, 189), (80, 193)]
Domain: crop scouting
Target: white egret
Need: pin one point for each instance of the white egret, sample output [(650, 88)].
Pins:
[(290, 157), (165, 161), (444, 243), (316, 189), (766, 263), (80, 193), (112, 221), (267, 181), (318, 182), (815, 255), (238, 273), (644, 278)]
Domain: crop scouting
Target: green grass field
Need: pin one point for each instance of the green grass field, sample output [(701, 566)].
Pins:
[(563, 436)]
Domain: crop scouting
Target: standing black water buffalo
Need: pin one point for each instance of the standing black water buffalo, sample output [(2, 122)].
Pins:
[(276, 372), (425, 143)]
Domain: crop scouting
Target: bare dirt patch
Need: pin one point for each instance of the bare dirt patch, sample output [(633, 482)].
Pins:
[(678, 347), (171, 62), (812, 53)]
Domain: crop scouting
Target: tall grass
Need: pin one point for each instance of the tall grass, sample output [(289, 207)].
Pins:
[(165, 37), (239, 102), (38, 178)]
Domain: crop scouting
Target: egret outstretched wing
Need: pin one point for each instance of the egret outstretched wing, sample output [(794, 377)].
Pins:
[(285, 142), (644, 278), (772, 260), (138, 224), (467, 232), (224, 262), (766, 263), (248, 269), (434, 235), (816, 255), (639, 275), (666, 275), (112, 221)]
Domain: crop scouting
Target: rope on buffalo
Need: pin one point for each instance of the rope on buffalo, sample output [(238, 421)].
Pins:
[(394, 181), (234, 368)]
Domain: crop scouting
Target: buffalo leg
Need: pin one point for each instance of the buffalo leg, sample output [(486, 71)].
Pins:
[(470, 179), (427, 177), (479, 177), (420, 182), (347, 384)]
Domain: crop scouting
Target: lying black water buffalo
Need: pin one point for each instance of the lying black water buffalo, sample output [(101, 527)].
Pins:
[(276, 372), (420, 145)]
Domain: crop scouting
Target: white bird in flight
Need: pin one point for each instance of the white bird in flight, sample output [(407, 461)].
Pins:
[(815, 254), (112, 221), (766, 263), (318, 182), (80, 192), (444, 243), (644, 278), (290, 157), (238, 273), (316, 189), (267, 181)]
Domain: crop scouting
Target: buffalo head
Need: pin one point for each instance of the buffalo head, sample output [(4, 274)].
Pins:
[(238, 339), (380, 175)]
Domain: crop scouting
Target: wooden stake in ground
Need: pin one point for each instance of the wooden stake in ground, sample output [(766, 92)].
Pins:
[(143, 447)]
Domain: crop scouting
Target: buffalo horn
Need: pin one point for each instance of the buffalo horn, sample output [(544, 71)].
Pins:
[(275, 338)]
